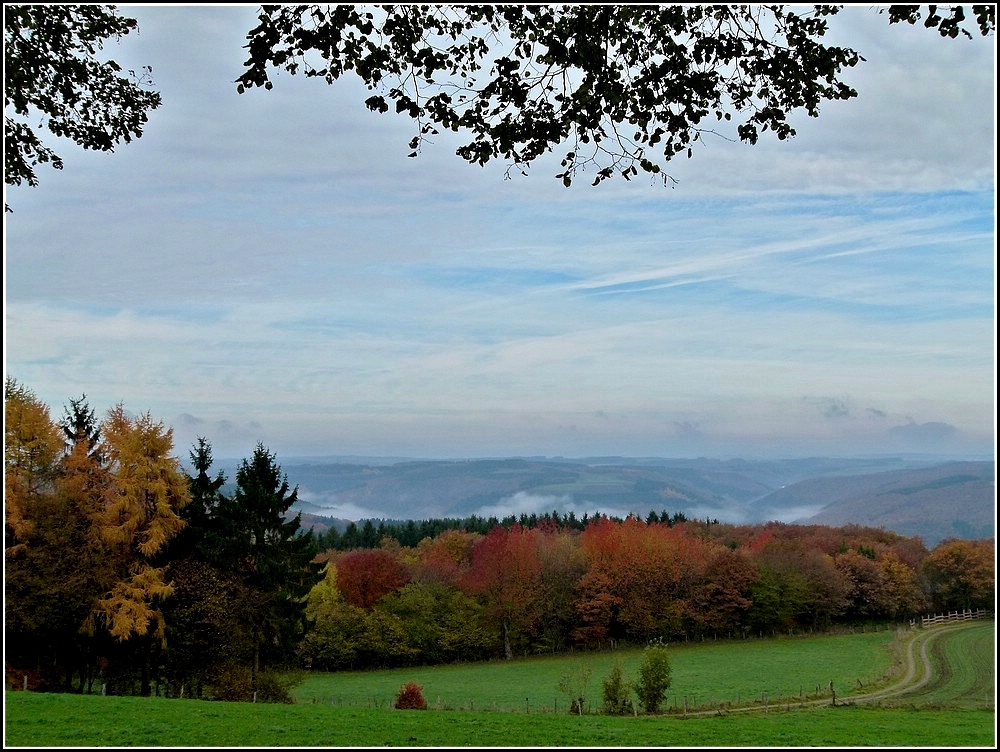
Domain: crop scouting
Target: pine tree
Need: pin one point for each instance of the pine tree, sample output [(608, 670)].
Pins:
[(273, 558)]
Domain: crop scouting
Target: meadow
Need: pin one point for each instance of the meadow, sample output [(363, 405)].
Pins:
[(703, 674), (956, 708)]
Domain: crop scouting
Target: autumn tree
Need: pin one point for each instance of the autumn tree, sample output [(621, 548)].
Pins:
[(961, 574), (506, 574), (868, 595), (796, 586), (445, 558), (903, 593), (640, 576), (721, 599), (54, 563), (336, 626), (140, 515), (32, 448), (562, 564), (615, 88), (54, 75), (366, 575)]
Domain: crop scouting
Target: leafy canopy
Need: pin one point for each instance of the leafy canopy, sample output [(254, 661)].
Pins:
[(624, 87), (53, 74)]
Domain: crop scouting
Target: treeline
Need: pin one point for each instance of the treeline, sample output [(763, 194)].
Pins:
[(124, 574), (369, 533)]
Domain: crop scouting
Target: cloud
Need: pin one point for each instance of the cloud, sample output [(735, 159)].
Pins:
[(931, 435), (837, 409), (526, 503), (268, 267)]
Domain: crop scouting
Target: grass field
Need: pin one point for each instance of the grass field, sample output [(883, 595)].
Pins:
[(947, 711), (705, 673), (964, 670)]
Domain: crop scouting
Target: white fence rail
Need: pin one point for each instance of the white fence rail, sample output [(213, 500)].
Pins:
[(930, 621)]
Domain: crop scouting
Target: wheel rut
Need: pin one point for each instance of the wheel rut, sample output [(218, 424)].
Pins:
[(917, 668)]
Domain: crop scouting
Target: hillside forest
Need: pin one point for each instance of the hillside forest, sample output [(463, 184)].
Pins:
[(127, 574)]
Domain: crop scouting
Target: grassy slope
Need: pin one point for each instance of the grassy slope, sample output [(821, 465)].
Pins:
[(71, 720), (706, 673)]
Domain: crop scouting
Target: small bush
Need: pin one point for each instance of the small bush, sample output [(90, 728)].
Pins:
[(573, 683), (411, 697), (617, 692), (231, 683), (654, 677), (234, 683), (277, 687)]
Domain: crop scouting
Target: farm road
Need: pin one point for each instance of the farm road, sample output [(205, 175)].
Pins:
[(917, 672)]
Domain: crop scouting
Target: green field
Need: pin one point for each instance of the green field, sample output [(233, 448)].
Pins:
[(964, 673), (705, 673), (954, 708)]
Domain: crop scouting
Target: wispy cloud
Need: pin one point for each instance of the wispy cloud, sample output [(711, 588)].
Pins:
[(274, 265)]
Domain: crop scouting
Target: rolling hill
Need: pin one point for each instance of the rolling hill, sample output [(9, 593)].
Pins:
[(930, 498)]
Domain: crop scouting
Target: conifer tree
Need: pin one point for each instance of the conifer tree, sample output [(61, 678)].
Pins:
[(273, 559), (139, 516)]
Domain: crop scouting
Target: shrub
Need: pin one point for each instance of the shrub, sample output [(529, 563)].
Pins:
[(617, 692), (573, 683), (654, 676), (231, 683), (411, 697), (234, 683), (277, 687)]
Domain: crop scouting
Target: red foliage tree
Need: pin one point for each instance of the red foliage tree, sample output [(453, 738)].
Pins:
[(365, 575), (721, 599), (505, 573)]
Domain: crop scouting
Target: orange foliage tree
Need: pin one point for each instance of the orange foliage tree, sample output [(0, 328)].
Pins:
[(961, 574)]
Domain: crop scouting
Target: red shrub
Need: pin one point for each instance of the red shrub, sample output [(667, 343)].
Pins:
[(411, 697)]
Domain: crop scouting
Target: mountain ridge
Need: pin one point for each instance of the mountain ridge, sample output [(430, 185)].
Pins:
[(930, 498)]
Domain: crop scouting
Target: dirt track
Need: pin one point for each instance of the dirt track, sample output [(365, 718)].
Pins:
[(918, 671)]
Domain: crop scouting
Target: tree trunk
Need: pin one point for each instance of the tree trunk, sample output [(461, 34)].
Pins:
[(256, 665), (507, 652), (144, 650)]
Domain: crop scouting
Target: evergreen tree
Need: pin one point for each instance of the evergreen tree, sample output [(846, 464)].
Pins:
[(270, 554), (204, 633), (199, 536)]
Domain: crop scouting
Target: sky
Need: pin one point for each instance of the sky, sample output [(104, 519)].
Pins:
[(271, 268)]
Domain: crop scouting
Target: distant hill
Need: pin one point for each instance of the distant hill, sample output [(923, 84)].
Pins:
[(955, 500), (933, 499)]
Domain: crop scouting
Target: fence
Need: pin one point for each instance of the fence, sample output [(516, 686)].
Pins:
[(965, 615)]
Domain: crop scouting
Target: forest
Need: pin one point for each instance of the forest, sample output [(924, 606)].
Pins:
[(127, 574)]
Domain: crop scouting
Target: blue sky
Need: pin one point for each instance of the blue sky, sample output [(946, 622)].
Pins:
[(271, 267)]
